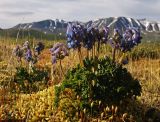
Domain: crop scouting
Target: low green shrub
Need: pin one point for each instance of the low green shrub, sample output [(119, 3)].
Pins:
[(99, 81), (30, 81)]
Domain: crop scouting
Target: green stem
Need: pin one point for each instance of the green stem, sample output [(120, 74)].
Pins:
[(94, 47), (98, 48), (60, 63), (52, 72), (114, 54), (92, 51), (80, 55)]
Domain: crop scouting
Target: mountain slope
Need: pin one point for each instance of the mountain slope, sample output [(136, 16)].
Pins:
[(46, 26), (123, 22), (151, 25)]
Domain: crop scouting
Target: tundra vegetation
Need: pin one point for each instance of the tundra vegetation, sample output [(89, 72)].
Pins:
[(95, 76)]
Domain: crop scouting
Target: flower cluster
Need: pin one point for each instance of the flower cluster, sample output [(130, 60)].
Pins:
[(26, 52), (39, 47), (78, 35), (17, 51), (131, 37), (104, 34), (28, 55), (127, 41), (58, 51), (74, 35)]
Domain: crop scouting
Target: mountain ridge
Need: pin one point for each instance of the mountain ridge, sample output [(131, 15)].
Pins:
[(52, 26)]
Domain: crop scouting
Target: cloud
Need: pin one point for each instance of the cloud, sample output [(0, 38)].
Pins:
[(143, 9), (12, 12)]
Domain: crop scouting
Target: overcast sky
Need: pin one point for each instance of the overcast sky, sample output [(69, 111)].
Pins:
[(13, 12)]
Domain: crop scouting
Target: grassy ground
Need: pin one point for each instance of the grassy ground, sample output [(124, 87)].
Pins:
[(39, 106)]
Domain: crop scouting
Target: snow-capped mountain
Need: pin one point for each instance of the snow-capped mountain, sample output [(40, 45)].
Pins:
[(46, 26), (118, 22), (52, 26), (150, 25), (124, 22)]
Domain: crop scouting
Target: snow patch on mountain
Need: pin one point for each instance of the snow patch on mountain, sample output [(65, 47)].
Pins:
[(115, 19), (30, 26), (130, 21), (137, 22)]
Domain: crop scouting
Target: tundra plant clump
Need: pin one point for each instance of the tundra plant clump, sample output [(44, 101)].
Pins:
[(98, 81)]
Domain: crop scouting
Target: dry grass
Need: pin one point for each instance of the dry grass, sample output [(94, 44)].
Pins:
[(146, 70)]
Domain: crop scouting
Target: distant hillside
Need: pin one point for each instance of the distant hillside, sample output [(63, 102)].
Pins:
[(30, 34), (46, 26)]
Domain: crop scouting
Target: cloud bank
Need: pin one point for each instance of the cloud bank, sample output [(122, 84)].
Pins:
[(13, 12)]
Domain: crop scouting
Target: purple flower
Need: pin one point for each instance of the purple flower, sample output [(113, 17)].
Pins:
[(105, 34), (136, 36), (58, 51), (39, 47), (69, 32), (18, 51), (56, 46), (74, 35), (131, 37), (28, 55), (54, 60)]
